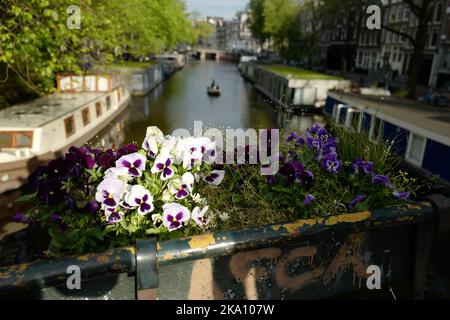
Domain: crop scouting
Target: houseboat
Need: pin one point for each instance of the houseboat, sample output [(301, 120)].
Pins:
[(420, 132), (35, 132), (289, 92)]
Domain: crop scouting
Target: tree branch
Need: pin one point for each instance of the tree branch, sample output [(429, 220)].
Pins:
[(403, 34), (414, 7)]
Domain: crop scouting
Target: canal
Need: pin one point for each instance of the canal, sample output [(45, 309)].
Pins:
[(182, 99)]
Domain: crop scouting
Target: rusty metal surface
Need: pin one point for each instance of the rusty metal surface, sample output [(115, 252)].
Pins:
[(47, 273), (311, 258), (224, 243), (320, 266)]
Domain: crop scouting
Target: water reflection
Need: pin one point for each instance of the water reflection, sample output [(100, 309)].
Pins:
[(182, 99)]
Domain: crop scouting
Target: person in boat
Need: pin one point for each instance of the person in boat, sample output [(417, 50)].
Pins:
[(213, 84)]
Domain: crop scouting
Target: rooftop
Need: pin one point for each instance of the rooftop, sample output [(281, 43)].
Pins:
[(421, 115), (297, 73), (36, 113)]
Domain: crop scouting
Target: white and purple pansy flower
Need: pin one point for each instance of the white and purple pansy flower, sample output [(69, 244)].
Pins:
[(152, 141), (141, 198), (181, 188), (198, 215), (118, 173), (134, 162), (174, 216), (110, 191), (215, 178), (163, 164), (113, 215)]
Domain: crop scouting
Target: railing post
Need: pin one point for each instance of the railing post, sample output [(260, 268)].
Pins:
[(146, 269)]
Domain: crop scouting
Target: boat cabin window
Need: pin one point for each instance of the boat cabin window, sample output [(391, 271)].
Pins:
[(69, 124), (416, 148), (98, 109), (377, 129), (86, 116), (16, 139), (356, 119), (108, 102)]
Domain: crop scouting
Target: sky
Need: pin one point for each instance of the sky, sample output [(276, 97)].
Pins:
[(219, 8)]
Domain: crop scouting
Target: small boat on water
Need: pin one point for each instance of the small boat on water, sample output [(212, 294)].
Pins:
[(213, 91), (35, 132)]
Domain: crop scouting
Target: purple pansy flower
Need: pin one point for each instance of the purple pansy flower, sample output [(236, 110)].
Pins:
[(139, 197), (365, 166), (292, 136), (313, 143), (300, 141), (109, 192), (127, 149), (331, 163), (107, 159), (163, 164), (20, 217), (113, 215), (181, 187), (199, 216), (92, 207), (215, 178), (323, 135), (174, 216), (402, 195), (55, 218), (356, 200), (380, 179), (134, 162), (314, 129), (308, 199)]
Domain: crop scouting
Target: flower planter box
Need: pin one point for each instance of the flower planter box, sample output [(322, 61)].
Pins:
[(305, 259)]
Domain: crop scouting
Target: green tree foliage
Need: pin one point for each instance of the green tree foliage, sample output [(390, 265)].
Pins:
[(35, 42), (257, 21)]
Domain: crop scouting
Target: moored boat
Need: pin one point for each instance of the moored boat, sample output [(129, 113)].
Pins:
[(35, 132), (419, 133)]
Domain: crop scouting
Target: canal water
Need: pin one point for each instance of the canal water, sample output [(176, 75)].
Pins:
[(182, 99)]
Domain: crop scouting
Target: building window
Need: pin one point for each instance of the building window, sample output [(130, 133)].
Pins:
[(434, 39), (98, 109), (19, 139), (108, 102), (416, 148), (438, 12), (69, 124), (86, 115)]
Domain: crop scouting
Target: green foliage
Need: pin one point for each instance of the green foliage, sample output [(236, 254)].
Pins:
[(250, 200), (35, 42)]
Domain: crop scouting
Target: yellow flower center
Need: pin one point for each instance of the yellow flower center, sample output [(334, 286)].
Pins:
[(110, 196), (174, 219), (132, 166)]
